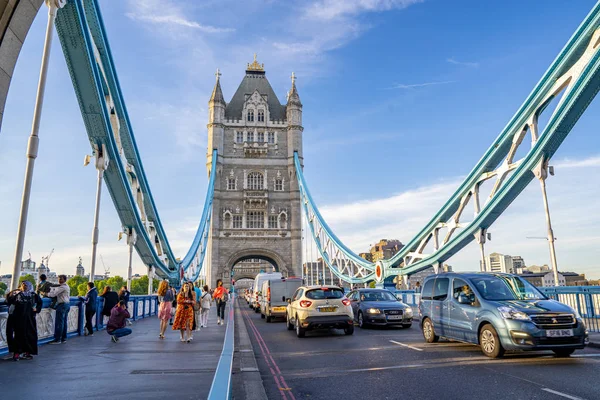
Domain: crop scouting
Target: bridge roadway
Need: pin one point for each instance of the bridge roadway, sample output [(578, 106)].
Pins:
[(139, 366), (368, 365)]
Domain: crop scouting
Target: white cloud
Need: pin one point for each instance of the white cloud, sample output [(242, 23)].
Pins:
[(418, 85), (452, 60), (332, 9), (178, 20), (588, 162)]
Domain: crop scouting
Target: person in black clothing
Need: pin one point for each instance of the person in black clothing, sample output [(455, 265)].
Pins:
[(110, 300), (21, 327), (90, 300), (124, 295)]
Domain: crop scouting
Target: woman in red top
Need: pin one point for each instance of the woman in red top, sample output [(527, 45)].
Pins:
[(184, 316), (220, 295)]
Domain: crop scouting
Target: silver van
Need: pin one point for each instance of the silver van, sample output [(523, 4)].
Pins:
[(273, 303), (257, 288)]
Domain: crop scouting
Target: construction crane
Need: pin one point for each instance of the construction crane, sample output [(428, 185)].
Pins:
[(106, 269), (47, 258)]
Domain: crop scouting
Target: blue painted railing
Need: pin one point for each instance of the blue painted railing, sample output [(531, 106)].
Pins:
[(221, 384), (139, 307), (584, 299)]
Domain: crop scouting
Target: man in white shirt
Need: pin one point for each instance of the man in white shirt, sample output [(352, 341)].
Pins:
[(63, 305)]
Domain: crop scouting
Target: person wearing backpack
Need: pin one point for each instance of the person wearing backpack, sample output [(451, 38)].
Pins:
[(165, 297)]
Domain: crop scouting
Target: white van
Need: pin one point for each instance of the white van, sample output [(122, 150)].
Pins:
[(275, 294), (256, 290)]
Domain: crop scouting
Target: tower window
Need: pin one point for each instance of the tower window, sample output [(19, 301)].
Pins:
[(250, 115), (271, 137), (255, 219), (261, 137), (231, 183), (272, 221), (261, 116), (250, 136), (255, 181), (237, 222), (279, 184), (239, 137)]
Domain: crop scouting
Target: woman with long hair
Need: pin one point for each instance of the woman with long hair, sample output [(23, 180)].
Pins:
[(165, 297), (110, 300), (184, 316), (21, 329), (221, 294)]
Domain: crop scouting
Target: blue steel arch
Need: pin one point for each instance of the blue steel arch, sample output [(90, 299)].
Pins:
[(575, 74)]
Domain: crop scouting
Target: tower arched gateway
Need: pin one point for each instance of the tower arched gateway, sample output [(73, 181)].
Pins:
[(256, 208)]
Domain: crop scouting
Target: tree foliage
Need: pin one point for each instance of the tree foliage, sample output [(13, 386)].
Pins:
[(27, 277), (372, 284), (74, 283), (3, 288), (140, 286)]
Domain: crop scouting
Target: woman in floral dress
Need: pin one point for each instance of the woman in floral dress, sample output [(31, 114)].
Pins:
[(184, 315)]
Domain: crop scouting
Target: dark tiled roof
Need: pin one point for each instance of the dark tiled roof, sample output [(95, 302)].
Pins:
[(254, 80)]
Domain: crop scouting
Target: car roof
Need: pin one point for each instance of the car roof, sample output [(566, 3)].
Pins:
[(470, 274), (372, 290), (321, 286)]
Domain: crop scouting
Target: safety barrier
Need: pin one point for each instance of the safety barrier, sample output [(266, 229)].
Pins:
[(221, 384), (584, 299), (139, 307)]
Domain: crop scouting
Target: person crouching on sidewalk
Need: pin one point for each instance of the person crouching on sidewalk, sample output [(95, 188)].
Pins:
[(116, 322)]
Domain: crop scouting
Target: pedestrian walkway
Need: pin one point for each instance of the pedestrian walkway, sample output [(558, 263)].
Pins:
[(139, 366)]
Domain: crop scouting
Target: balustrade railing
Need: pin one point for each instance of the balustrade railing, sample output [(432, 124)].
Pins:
[(139, 307)]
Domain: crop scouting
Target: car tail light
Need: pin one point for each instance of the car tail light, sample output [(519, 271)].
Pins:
[(268, 294), (346, 302), (305, 303)]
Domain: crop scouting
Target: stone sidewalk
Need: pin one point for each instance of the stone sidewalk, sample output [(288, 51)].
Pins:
[(139, 366)]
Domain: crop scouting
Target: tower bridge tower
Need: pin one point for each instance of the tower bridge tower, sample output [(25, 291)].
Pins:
[(256, 209)]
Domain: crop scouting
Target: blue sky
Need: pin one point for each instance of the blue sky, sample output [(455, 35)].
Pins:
[(401, 98)]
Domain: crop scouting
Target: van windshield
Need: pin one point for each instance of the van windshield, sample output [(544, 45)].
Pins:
[(501, 288)]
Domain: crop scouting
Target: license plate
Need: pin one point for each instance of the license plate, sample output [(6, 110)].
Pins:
[(278, 309), (559, 333), (394, 317), (327, 309)]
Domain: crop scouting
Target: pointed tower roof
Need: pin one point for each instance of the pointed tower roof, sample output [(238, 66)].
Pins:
[(217, 93), (255, 79), (293, 96)]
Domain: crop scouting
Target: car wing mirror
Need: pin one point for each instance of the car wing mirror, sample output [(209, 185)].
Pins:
[(289, 301)]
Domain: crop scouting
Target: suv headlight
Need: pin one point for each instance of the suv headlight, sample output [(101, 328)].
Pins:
[(373, 311), (511, 313), (408, 310)]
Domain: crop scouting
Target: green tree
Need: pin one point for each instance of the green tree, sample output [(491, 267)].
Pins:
[(82, 289), (74, 283), (116, 283), (3, 288), (372, 284), (27, 277), (100, 285), (140, 286)]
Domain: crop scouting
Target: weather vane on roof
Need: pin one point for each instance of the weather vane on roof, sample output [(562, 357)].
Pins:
[(218, 74)]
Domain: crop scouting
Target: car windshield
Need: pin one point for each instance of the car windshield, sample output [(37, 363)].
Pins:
[(324, 293), (506, 287), (377, 296)]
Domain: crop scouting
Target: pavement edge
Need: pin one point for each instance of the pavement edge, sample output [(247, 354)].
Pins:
[(247, 381)]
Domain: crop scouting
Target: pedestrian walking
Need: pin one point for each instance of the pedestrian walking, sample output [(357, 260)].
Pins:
[(111, 299), (63, 305), (90, 300), (21, 328), (165, 297), (205, 301), (184, 315), (43, 287), (220, 295), (174, 304), (197, 308), (116, 323)]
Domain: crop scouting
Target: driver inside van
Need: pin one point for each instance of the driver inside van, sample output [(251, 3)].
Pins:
[(468, 293)]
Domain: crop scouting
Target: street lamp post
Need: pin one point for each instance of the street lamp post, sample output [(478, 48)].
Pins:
[(101, 165), (541, 172), (33, 144)]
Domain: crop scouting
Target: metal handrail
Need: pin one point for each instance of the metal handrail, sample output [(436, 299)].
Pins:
[(221, 385)]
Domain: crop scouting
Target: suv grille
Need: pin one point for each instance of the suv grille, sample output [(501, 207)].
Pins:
[(558, 340), (552, 321)]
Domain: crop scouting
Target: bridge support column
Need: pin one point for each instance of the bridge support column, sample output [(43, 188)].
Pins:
[(131, 239), (33, 144), (101, 165), (150, 278), (541, 172)]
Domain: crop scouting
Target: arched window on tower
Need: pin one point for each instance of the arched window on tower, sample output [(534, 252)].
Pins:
[(227, 220), (283, 220), (261, 116), (250, 115), (255, 181)]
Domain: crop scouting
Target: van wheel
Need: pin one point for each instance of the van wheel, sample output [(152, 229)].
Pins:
[(489, 342), (429, 332), (563, 352), (268, 318), (349, 330), (290, 327), (361, 321), (300, 332)]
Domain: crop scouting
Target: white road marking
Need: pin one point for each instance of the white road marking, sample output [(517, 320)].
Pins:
[(586, 355), (406, 345), (568, 396)]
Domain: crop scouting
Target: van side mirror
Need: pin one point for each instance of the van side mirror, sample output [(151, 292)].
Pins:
[(289, 300)]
